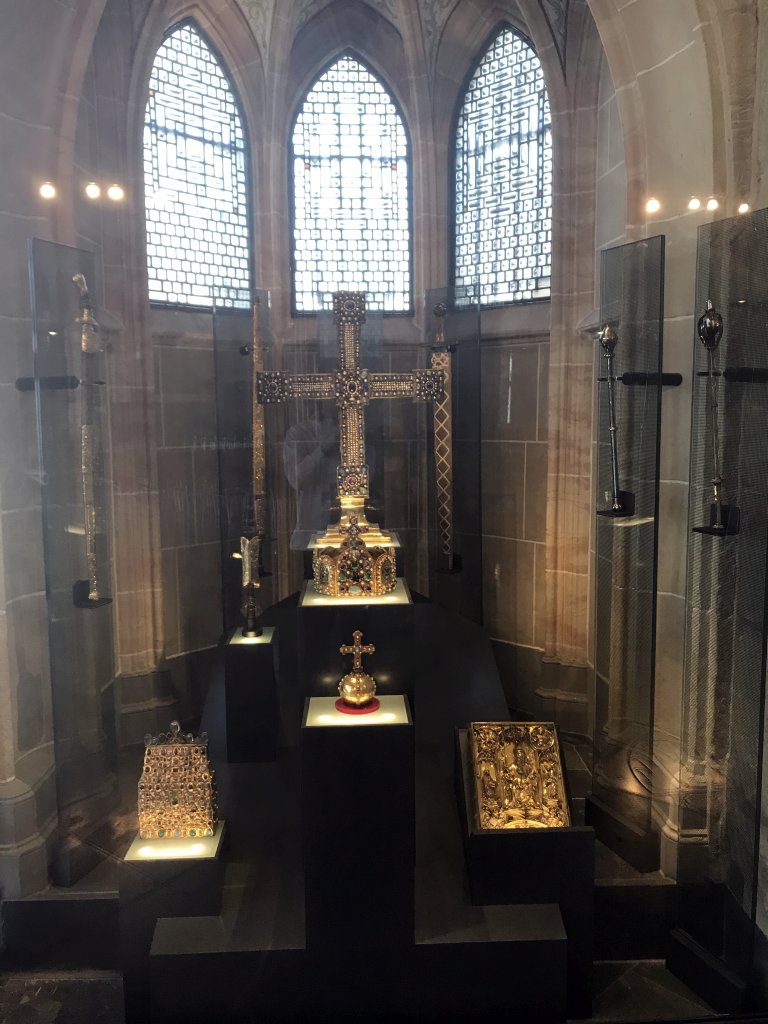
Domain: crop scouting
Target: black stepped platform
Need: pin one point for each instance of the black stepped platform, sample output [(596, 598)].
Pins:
[(464, 961)]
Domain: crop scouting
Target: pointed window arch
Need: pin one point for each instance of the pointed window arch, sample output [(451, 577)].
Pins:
[(195, 179), (351, 212), (503, 180)]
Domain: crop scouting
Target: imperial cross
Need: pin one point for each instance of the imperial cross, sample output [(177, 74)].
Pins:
[(352, 388), (357, 650)]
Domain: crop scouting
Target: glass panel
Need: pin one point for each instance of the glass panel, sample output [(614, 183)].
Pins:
[(70, 394), (195, 180), (351, 169), (724, 673), (504, 178), (631, 305)]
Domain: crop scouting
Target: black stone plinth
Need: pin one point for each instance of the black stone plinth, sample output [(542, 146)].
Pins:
[(622, 823), (153, 887), (250, 688), (325, 624), (358, 827), (519, 866)]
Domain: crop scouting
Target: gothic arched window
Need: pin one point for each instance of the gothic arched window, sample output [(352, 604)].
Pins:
[(195, 180), (503, 226), (351, 219)]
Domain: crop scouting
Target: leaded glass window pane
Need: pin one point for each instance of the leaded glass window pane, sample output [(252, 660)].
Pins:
[(504, 179), (195, 182), (351, 222)]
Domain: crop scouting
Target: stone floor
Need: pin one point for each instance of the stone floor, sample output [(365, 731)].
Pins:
[(631, 991)]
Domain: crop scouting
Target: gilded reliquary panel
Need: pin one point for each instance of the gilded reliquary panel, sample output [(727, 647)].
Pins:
[(518, 775)]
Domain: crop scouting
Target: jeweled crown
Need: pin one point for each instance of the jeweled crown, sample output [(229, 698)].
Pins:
[(354, 569)]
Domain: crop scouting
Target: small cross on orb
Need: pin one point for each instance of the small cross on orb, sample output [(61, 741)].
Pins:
[(357, 650), (357, 689)]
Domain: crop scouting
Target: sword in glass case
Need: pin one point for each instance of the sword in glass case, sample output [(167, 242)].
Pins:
[(622, 502), (88, 593), (723, 519)]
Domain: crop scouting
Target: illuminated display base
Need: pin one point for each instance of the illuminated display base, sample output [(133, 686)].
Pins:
[(202, 848)]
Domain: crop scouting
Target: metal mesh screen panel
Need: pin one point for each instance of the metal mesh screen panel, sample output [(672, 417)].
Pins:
[(351, 220), (724, 675), (625, 594), (195, 185), (503, 179)]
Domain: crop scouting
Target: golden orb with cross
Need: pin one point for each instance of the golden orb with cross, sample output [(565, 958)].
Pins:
[(357, 688)]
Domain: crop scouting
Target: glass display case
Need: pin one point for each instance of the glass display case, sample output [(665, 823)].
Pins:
[(629, 362), (69, 388), (721, 774)]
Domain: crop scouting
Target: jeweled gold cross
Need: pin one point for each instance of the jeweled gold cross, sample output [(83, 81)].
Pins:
[(357, 650), (352, 388)]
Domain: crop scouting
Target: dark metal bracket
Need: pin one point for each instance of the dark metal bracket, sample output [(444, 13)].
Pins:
[(48, 383), (730, 517), (626, 508), (637, 378), (80, 599)]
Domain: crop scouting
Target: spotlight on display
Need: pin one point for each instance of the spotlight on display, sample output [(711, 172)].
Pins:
[(712, 204), (48, 190), (694, 203), (653, 205), (743, 208), (93, 190), (116, 193)]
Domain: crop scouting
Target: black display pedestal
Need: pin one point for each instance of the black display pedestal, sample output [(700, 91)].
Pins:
[(522, 866), (325, 623), (634, 842), (358, 824), (162, 878), (250, 688)]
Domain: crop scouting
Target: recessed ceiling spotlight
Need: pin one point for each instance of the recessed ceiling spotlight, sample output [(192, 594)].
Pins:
[(712, 204), (92, 190), (116, 193), (48, 190), (743, 208), (694, 203), (653, 205)]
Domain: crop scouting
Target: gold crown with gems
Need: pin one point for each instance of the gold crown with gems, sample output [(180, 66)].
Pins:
[(354, 569)]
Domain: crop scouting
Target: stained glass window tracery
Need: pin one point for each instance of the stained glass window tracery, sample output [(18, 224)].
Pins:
[(195, 179), (351, 219), (503, 161)]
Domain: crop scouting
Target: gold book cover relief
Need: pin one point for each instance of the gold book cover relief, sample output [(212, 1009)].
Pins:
[(518, 775), (176, 794)]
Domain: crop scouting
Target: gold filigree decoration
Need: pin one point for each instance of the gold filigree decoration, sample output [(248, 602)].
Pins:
[(352, 387), (443, 439), (518, 773), (176, 792), (354, 569)]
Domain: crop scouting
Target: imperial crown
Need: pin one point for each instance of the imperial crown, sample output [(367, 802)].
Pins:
[(354, 569)]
